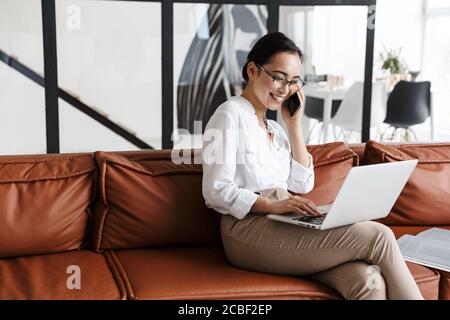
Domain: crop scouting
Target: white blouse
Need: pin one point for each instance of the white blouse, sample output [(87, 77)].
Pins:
[(239, 159)]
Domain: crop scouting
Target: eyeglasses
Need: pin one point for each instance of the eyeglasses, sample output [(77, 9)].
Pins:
[(281, 82)]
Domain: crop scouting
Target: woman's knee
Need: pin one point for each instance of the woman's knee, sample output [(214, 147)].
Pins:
[(378, 239), (371, 230)]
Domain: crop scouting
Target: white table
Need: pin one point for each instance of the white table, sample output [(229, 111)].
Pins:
[(327, 95)]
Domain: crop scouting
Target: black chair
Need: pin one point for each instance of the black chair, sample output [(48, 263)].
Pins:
[(314, 110), (408, 104)]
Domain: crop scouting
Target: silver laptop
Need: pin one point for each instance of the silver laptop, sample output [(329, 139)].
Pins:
[(368, 192)]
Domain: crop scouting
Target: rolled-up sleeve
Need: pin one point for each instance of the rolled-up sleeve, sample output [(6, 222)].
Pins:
[(220, 147), (301, 179)]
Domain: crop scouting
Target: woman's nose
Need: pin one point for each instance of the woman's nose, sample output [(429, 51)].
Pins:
[(284, 90)]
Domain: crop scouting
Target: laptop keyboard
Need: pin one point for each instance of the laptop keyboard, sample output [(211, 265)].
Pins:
[(313, 220)]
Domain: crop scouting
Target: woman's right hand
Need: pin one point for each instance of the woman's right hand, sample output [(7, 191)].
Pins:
[(296, 204)]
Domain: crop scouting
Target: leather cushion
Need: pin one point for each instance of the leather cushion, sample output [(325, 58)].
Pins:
[(444, 285), (358, 148), (204, 273), (425, 200), (46, 277), (427, 280), (44, 202), (145, 199), (332, 162)]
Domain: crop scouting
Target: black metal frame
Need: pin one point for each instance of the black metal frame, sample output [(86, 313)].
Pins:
[(52, 92), (51, 75), (167, 72), (368, 70)]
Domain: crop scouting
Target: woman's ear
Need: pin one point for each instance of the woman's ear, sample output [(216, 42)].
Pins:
[(251, 70)]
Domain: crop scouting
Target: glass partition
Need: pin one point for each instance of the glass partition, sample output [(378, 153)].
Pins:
[(333, 41), (211, 43), (109, 57), (22, 101)]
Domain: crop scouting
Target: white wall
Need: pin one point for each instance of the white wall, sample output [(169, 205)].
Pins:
[(22, 116), (22, 102), (399, 24), (339, 41), (21, 32), (334, 40)]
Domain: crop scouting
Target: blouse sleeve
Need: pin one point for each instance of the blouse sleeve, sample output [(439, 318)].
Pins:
[(301, 179), (220, 147)]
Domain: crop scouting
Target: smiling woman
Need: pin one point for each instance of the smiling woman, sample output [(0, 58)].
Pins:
[(280, 60), (287, 164), (274, 50), (251, 166)]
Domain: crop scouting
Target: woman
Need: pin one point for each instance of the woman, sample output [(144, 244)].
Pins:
[(249, 163)]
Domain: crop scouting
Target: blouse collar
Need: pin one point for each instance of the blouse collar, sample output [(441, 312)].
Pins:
[(250, 109)]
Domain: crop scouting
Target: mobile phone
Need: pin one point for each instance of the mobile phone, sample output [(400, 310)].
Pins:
[(293, 104)]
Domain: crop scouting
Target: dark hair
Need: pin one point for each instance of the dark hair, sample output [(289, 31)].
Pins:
[(267, 46)]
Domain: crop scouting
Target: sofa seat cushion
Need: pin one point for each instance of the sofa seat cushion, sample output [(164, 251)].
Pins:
[(425, 199), (50, 276), (204, 273), (427, 279)]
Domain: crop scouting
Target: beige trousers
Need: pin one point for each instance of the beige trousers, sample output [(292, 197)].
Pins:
[(360, 261)]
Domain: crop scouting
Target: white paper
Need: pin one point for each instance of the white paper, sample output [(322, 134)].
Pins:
[(436, 234), (427, 249)]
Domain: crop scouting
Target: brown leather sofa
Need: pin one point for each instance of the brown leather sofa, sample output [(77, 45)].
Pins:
[(133, 225)]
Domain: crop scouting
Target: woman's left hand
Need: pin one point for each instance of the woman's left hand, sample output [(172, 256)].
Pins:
[(294, 122)]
